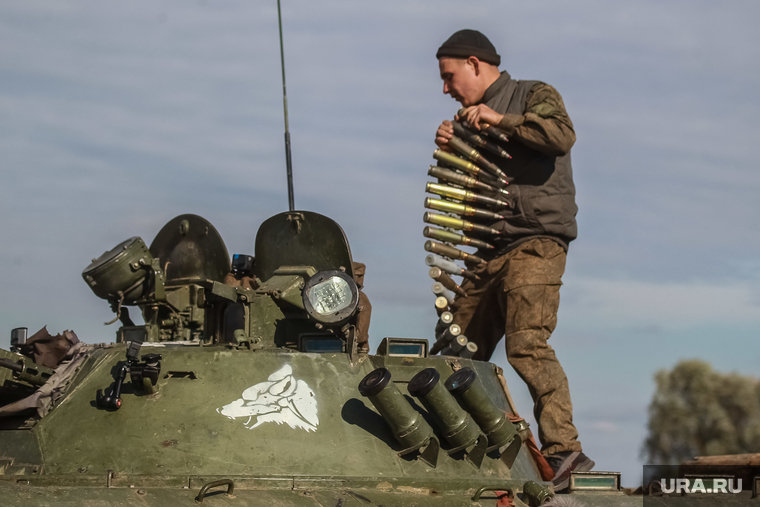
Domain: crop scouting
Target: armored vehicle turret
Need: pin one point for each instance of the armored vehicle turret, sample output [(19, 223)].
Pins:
[(248, 384)]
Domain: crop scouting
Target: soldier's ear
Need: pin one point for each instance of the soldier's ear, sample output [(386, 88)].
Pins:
[(474, 63)]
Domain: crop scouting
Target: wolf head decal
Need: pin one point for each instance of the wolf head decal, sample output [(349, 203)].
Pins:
[(281, 399)]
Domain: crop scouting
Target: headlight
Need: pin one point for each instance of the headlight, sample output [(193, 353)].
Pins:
[(119, 272), (331, 297)]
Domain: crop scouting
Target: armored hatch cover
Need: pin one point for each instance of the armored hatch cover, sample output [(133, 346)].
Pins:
[(190, 248), (301, 238)]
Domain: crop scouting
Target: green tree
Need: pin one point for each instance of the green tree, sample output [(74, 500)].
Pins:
[(697, 411)]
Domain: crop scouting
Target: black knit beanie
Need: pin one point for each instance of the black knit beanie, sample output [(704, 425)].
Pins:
[(467, 43)]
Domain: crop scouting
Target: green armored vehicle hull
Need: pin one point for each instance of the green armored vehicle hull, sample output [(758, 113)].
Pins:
[(248, 385)]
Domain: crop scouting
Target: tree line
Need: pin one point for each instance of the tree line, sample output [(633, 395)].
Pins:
[(697, 411)]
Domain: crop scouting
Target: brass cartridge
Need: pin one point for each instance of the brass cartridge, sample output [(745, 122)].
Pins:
[(456, 223), (449, 267), (443, 338), (488, 129), (440, 290), (444, 321), (469, 350), (495, 133), (463, 195), (452, 237), (449, 333), (468, 167), (455, 346), (462, 179), (472, 138), (441, 305), (459, 163), (453, 253), (475, 156), (461, 209), (444, 279)]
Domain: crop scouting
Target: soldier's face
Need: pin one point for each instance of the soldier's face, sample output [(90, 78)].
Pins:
[(460, 80)]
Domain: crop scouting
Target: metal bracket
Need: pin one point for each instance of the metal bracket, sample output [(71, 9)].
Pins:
[(202, 493), (296, 219), (473, 452), (158, 281), (476, 454), (4, 464), (509, 492), (352, 347), (508, 453), (431, 452)]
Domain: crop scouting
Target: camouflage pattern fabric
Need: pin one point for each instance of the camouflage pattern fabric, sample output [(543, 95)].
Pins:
[(46, 396), (238, 280), (518, 297), (48, 350), (545, 126)]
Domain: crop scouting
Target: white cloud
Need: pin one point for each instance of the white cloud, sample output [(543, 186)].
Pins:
[(604, 427)]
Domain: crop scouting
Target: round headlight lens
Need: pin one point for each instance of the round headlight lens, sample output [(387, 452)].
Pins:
[(330, 296)]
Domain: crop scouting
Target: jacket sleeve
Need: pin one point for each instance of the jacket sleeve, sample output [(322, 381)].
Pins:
[(545, 125)]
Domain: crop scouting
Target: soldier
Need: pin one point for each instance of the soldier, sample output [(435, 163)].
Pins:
[(517, 295)]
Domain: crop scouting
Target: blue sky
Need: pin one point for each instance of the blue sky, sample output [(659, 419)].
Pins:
[(114, 118)]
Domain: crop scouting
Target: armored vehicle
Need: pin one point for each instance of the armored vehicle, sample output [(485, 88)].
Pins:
[(247, 384)]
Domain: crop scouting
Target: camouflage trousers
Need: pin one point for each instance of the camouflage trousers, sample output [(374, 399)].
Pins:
[(518, 297)]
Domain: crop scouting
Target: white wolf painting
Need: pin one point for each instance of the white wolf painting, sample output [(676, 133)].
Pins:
[(281, 399)]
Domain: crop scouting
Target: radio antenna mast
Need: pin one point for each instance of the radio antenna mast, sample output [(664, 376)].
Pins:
[(288, 162)]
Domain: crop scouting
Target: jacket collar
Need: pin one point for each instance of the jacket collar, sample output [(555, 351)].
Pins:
[(496, 87)]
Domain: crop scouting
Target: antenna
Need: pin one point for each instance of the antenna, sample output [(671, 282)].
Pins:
[(288, 161)]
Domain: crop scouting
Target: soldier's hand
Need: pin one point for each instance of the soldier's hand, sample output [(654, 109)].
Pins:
[(479, 116), (443, 134)]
